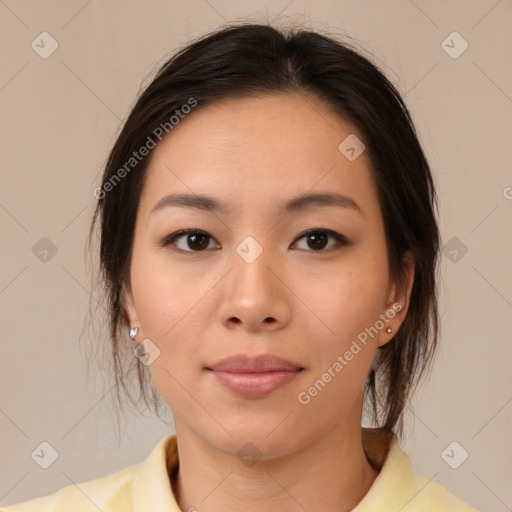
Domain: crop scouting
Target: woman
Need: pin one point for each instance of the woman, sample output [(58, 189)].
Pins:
[(269, 241)]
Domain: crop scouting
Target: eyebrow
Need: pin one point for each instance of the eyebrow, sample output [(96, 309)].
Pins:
[(302, 202)]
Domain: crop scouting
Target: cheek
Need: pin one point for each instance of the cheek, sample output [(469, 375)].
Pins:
[(352, 298), (343, 354), (169, 316), (165, 294), (349, 303)]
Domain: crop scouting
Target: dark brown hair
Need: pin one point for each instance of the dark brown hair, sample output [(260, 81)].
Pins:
[(251, 59)]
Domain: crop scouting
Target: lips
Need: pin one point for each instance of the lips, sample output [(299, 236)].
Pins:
[(246, 364), (254, 377)]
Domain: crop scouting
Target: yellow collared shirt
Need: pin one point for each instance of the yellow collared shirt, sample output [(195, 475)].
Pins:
[(145, 487)]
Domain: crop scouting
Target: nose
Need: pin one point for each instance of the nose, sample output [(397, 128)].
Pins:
[(255, 295)]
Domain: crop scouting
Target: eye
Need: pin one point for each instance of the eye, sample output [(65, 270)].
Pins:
[(317, 239), (196, 240)]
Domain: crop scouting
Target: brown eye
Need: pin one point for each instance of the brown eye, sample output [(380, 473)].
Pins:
[(318, 239), (195, 240)]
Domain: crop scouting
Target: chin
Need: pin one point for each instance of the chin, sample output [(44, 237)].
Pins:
[(260, 437)]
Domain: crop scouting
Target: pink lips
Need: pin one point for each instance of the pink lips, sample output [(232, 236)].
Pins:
[(254, 377)]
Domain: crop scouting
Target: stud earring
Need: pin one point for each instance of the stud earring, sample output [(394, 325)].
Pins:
[(133, 332), (388, 330)]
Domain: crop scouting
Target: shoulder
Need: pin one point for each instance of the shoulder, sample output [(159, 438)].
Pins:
[(433, 497), (398, 486), (93, 495), (135, 488)]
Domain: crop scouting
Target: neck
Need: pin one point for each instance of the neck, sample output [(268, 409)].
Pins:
[(328, 473)]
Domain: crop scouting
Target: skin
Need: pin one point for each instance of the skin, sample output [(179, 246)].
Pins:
[(199, 307)]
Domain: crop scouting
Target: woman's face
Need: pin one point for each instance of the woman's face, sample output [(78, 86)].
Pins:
[(254, 283)]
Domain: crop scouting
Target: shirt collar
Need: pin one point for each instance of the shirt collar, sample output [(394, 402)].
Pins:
[(152, 485), (396, 473)]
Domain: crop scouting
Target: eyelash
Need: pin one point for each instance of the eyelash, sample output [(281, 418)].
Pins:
[(340, 239)]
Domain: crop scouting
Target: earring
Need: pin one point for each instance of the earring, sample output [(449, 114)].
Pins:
[(388, 330), (133, 332)]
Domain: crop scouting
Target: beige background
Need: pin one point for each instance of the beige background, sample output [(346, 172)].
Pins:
[(59, 119)]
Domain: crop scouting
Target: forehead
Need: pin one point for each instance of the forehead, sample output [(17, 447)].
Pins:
[(295, 123), (262, 147)]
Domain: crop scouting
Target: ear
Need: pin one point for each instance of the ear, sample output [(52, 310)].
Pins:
[(397, 302), (128, 304)]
